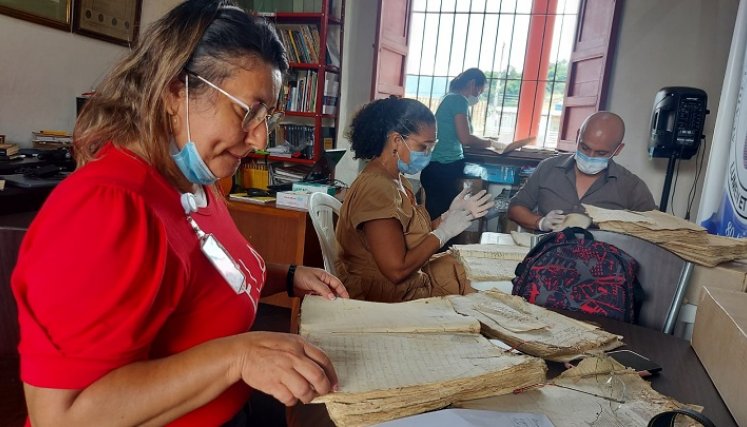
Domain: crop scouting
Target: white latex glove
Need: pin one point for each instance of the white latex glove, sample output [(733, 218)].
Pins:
[(453, 224), (477, 204), (551, 221)]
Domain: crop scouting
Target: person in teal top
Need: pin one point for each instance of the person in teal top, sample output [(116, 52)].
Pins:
[(441, 178)]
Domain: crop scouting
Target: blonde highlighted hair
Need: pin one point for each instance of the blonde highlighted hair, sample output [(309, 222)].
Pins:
[(129, 106)]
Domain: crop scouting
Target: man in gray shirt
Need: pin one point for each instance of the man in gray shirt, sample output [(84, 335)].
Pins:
[(561, 184)]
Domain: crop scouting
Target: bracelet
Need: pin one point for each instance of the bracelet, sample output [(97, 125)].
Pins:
[(289, 280)]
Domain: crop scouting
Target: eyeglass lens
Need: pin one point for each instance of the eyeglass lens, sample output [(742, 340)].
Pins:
[(257, 114)]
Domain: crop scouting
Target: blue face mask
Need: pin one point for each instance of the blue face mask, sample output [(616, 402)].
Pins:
[(191, 164), (591, 165), (188, 159), (418, 161)]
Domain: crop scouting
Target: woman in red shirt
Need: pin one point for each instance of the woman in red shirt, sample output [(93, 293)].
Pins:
[(134, 287)]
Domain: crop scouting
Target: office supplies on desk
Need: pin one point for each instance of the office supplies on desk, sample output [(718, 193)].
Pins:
[(247, 198), (321, 171)]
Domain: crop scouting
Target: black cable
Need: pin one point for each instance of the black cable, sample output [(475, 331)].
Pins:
[(699, 161), (674, 186)]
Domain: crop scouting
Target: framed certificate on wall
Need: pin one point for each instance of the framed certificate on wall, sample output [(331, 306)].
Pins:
[(116, 21), (52, 13)]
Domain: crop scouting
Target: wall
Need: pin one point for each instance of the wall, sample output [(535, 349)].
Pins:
[(44, 69), (357, 71), (668, 43)]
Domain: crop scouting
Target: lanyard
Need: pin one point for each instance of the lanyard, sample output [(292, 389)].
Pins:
[(216, 253)]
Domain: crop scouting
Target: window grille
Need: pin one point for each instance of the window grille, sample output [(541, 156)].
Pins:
[(523, 46)]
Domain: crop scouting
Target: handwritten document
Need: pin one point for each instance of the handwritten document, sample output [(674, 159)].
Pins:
[(349, 315), (395, 360), (598, 392), (533, 329)]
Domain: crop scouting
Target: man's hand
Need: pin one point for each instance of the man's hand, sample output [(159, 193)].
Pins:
[(316, 281), (551, 221)]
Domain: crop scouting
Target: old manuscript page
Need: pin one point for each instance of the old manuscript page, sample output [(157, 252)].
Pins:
[(532, 329), (598, 392), (349, 315), (434, 358)]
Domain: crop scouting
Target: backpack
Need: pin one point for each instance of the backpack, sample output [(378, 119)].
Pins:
[(569, 272)]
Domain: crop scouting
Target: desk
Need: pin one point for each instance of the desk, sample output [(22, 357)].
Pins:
[(682, 376), (282, 236)]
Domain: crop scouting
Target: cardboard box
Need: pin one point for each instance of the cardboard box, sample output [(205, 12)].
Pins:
[(312, 187), (293, 199), (720, 341), (729, 275)]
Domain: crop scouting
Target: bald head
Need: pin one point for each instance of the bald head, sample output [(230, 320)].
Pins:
[(603, 130)]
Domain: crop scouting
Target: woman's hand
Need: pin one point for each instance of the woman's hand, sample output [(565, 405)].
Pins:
[(319, 282), (285, 366), (477, 204)]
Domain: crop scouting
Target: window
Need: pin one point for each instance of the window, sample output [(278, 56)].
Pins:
[(524, 48)]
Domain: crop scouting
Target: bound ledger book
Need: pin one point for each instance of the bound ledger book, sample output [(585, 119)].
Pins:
[(395, 360)]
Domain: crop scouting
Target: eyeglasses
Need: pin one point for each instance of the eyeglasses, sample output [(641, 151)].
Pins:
[(256, 114), (423, 147), (580, 146)]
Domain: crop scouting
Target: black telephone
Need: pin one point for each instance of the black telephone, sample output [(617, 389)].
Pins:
[(677, 122)]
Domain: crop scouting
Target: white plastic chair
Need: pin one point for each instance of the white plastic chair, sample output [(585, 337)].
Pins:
[(323, 208)]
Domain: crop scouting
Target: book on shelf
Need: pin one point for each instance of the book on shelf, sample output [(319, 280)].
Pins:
[(328, 138), (301, 42), (333, 52), (408, 358), (331, 93)]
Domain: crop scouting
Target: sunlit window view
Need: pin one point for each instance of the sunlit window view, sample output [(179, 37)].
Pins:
[(523, 46)]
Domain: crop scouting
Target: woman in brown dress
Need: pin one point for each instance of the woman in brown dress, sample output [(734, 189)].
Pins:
[(386, 238)]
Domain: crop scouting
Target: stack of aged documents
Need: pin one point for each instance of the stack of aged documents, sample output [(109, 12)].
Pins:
[(684, 238), (598, 392), (395, 360), (532, 329), (489, 261)]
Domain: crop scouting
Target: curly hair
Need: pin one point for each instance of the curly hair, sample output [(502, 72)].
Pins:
[(372, 124), (209, 37), (460, 82)]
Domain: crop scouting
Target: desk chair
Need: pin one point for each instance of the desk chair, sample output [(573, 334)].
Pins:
[(12, 402), (323, 208), (663, 276)]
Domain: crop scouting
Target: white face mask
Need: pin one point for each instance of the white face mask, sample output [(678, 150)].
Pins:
[(472, 100)]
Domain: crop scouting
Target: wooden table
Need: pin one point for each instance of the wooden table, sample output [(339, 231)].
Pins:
[(283, 236), (682, 376)]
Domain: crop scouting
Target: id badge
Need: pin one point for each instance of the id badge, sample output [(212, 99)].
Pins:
[(223, 262)]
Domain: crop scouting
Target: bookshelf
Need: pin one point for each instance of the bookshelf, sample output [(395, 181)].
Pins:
[(312, 32)]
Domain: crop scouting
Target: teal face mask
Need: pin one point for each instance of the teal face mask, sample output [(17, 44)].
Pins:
[(418, 161), (191, 164)]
